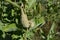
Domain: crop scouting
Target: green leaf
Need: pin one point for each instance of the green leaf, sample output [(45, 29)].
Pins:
[(29, 34), (3, 35), (51, 32), (39, 20), (1, 25), (15, 36), (4, 15), (9, 27), (30, 3), (12, 12), (16, 21)]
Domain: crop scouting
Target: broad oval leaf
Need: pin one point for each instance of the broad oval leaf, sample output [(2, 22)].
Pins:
[(10, 27)]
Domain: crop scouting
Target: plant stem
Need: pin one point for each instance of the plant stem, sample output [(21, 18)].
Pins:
[(13, 3)]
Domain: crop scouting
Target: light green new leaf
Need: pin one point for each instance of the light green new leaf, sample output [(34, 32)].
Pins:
[(15, 36), (10, 27), (30, 3)]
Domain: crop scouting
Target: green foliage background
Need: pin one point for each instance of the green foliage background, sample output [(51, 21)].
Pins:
[(45, 13)]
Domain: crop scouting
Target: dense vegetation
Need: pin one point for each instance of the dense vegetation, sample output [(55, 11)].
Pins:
[(29, 19)]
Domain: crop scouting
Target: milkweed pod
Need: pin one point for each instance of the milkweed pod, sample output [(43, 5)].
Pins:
[(24, 20)]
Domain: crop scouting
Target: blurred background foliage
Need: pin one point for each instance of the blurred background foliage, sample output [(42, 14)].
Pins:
[(44, 13)]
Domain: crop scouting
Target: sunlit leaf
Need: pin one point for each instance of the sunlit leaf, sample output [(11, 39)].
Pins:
[(14, 36), (10, 27), (30, 3)]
